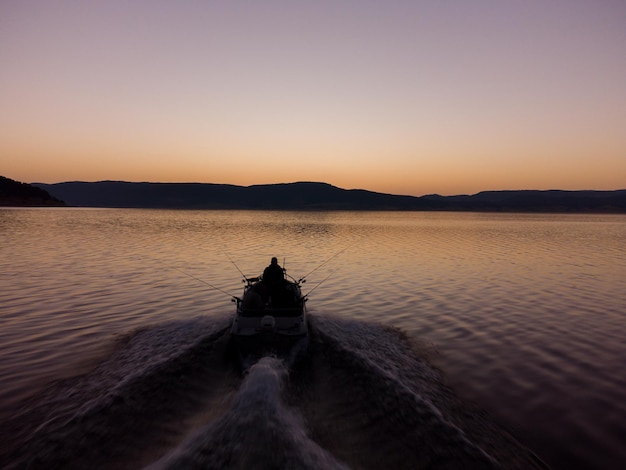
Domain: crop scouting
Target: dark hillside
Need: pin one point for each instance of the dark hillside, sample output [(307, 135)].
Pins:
[(538, 201), (323, 196), (14, 193), (146, 195), (291, 196)]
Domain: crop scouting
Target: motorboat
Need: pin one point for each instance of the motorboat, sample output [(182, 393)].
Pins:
[(270, 317)]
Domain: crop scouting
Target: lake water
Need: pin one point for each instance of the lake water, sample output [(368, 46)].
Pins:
[(104, 310)]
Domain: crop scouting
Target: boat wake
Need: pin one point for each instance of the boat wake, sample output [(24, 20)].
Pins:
[(259, 430), (360, 396)]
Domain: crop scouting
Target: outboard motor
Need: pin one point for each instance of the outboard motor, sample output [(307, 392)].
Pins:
[(268, 323)]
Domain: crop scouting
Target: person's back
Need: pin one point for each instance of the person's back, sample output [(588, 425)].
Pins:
[(273, 274)]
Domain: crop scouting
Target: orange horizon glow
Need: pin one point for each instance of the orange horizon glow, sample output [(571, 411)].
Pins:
[(412, 100)]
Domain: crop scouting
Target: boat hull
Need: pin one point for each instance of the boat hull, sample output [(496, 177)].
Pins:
[(275, 326)]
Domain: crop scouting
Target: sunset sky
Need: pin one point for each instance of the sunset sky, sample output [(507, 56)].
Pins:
[(405, 97)]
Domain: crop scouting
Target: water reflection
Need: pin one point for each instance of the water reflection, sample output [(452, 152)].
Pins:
[(524, 308)]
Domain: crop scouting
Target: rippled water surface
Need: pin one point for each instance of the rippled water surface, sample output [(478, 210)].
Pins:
[(524, 314)]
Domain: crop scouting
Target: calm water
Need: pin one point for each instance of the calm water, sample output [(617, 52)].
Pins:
[(524, 315)]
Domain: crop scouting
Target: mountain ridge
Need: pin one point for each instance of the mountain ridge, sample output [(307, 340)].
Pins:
[(308, 195)]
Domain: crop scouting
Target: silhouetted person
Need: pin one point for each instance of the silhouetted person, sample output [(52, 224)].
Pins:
[(273, 275), (274, 279)]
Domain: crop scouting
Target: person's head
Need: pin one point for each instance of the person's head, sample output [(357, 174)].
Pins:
[(274, 260)]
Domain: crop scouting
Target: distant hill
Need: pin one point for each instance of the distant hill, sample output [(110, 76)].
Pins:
[(537, 201), (14, 193), (322, 196), (291, 196)]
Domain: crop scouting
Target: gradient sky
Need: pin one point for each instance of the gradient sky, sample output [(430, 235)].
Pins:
[(406, 97)]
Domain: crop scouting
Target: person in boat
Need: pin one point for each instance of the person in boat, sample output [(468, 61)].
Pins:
[(273, 275), (274, 280)]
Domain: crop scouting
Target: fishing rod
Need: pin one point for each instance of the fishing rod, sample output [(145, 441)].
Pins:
[(289, 275), (319, 284), (235, 264), (209, 284), (329, 259)]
